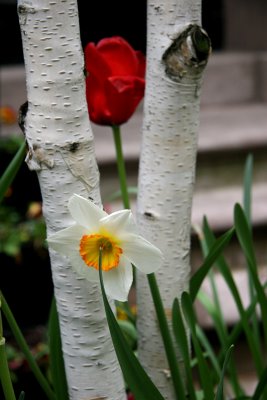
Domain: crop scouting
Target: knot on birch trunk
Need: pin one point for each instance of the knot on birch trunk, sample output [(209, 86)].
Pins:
[(188, 54)]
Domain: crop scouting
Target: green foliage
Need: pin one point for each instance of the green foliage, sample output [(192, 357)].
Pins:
[(25, 349), (203, 372), (191, 320), (17, 230), (56, 357), (135, 376), (219, 393), (214, 253), (214, 369), (11, 171)]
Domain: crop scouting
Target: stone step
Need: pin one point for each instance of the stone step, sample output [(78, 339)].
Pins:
[(235, 77), (227, 135), (233, 122), (218, 204), (235, 128), (228, 132), (230, 78), (229, 309)]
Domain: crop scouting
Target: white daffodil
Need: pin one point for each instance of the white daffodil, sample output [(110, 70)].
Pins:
[(121, 246)]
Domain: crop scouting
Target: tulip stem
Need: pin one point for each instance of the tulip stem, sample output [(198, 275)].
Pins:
[(121, 166)]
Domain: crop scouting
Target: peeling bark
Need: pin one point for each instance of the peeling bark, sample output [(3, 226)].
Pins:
[(177, 52), (61, 150)]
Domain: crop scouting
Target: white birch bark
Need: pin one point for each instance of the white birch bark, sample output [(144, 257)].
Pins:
[(167, 164), (61, 150)]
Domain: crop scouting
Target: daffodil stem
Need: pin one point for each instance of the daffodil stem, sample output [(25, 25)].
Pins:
[(4, 371), (121, 166), (25, 349), (166, 337)]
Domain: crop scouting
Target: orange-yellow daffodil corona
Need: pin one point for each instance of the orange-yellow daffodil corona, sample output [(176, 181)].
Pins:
[(116, 234)]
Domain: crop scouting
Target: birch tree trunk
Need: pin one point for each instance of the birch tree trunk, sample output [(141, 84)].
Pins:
[(61, 150), (177, 52)]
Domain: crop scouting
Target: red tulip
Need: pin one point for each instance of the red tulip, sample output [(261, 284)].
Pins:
[(115, 80)]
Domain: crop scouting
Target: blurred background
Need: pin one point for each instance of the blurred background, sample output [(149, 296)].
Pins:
[(233, 124)]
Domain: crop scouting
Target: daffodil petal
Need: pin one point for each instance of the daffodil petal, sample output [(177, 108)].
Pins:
[(143, 254), (85, 212), (67, 240), (119, 223), (89, 273), (118, 281)]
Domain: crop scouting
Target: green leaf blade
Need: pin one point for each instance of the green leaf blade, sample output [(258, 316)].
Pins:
[(137, 379), (183, 347), (261, 386), (247, 185), (56, 357), (219, 393), (215, 251), (11, 171), (245, 239), (225, 271), (25, 349), (204, 372)]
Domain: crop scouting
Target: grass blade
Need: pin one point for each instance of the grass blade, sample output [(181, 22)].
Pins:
[(5, 377), (212, 311), (247, 190), (56, 357), (245, 239), (209, 351), (204, 372), (223, 337), (219, 393), (25, 349), (11, 171), (166, 337), (215, 251), (247, 185), (183, 348), (221, 323), (238, 328), (261, 386), (244, 317), (137, 379)]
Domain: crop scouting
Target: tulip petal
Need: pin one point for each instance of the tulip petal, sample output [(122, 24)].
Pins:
[(119, 223), (97, 72), (119, 56), (123, 94), (141, 253), (118, 281), (97, 101), (85, 212), (141, 64), (114, 84), (94, 62)]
